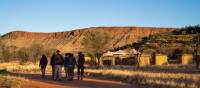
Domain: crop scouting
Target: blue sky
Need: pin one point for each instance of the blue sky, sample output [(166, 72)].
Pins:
[(65, 15)]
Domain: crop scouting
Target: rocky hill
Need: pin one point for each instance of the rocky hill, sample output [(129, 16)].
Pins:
[(183, 40), (71, 40)]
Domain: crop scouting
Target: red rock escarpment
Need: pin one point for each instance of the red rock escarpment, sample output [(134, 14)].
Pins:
[(71, 40)]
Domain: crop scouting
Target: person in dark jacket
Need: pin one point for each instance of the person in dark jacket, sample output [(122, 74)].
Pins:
[(58, 63), (52, 64), (80, 65), (65, 64), (43, 64), (69, 64)]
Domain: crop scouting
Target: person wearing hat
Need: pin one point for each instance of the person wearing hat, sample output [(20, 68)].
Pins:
[(69, 64), (53, 64), (58, 63)]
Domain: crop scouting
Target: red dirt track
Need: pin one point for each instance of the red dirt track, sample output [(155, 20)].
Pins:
[(35, 81)]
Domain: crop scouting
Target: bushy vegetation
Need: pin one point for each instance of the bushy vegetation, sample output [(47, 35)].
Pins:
[(95, 43), (25, 54), (4, 52), (185, 39), (188, 30)]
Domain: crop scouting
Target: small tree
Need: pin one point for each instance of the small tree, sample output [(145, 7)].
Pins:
[(36, 50), (49, 51), (4, 52), (95, 43), (139, 46), (1, 50), (24, 54)]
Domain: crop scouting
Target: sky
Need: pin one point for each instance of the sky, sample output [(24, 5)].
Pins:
[(66, 15)]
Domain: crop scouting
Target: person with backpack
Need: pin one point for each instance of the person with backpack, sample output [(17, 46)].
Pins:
[(58, 62), (65, 64), (52, 64), (43, 64), (69, 64), (80, 65)]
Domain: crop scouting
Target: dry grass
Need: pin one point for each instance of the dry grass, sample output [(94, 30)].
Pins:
[(150, 79), (145, 78), (7, 81), (17, 67)]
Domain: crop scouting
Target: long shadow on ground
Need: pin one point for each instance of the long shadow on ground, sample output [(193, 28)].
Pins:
[(86, 83)]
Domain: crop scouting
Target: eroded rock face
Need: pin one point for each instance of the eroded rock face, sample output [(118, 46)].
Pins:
[(71, 40)]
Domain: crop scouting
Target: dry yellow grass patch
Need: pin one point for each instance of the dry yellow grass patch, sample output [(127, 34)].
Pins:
[(17, 67), (11, 81), (151, 79)]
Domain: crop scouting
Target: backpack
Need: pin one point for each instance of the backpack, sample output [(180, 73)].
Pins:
[(58, 59), (81, 60)]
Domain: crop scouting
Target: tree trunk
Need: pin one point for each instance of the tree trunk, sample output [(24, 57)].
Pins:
[(138, 58), (93, 61), (98, 60), (35, 61), (196, 56)]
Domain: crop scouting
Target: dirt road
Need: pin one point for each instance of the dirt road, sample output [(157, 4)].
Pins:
[(37, 82)]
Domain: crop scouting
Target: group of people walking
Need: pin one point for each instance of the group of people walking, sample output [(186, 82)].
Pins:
[(68, 61)]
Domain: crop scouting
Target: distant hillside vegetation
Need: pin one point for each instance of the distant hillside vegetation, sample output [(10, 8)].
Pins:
[(182, 40)]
